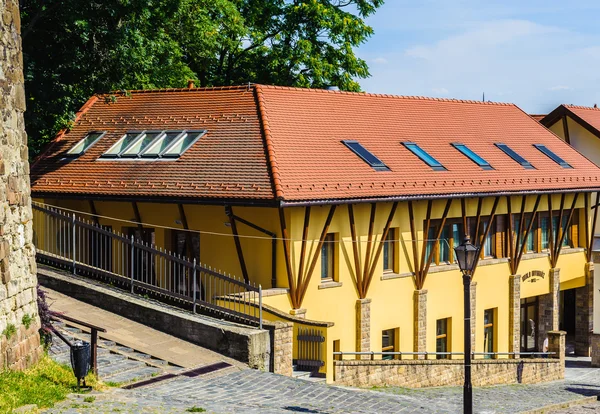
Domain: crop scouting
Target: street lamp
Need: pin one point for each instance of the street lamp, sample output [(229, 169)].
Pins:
[(466, 255)]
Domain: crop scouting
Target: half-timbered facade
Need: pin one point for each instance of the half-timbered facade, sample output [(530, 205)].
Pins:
[(346, 207)]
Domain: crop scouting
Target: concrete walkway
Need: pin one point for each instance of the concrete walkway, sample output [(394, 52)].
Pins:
[(137, 336)]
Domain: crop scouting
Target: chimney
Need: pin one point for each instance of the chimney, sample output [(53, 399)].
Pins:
[(190, 83), (596, 106)]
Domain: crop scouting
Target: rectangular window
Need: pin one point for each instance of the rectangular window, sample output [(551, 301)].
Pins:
[(444, 246), (512, 154), (566, 228), (473, 156), (121, 144), (430, 244), (520, 235), (161, 144), (424, 156), (545, 233), (389, 342), (441, 337), (140, 144), (488, 332), (389, 251), (83, 145), (552, 155), (182, 144), (366, 155), (488, 246), (328, 257), (337, 348)]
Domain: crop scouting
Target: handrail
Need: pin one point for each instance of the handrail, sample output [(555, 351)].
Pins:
[(425, 353)]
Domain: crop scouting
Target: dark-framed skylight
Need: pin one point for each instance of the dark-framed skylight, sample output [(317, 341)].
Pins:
[(546, 151), (424, 156), (512, 154), (82, 146), (472, 156), (366, 155), (153, 144)]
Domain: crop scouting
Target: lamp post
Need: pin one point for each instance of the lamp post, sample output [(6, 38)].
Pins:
[(466, 255)]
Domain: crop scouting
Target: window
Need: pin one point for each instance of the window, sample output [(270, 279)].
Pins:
[(83, 145), (337, 348), (161, 144), (488, 332), (441, 337), (182, 144), (545, 230), (121, 144), (512, 154), (520, 235), (488, 246), (424, 156), (451, 236), (366, 155), (140, 144), (389, 252), (389, 342), (328, 257), (472, 156), (552, 155), (153, 144)]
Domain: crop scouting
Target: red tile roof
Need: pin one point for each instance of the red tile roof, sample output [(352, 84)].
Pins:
[(267, 142), (590, 115), (537, 117)]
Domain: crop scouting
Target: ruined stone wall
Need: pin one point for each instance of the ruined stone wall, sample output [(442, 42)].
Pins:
[(19, 321)]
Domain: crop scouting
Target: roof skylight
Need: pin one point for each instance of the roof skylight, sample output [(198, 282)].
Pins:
[(153, 144), (366, 155), (508, 151), (544, 149), (472, 156), (83, 145), (424, 156)]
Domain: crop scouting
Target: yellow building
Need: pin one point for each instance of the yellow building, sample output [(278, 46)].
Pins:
[(346, 208)]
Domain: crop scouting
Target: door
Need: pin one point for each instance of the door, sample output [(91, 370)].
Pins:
[(529, 323)]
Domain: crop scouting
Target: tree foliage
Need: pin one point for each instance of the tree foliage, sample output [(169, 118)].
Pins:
[(74, 48)]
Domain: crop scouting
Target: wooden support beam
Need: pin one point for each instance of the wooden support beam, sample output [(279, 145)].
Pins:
[(94, 212), (188, 235), (303, 247), (528, 230), (286, 254), (477, 221), (566, 129), (138, 218), (520, 239), (564, 231), (437, 239), (425, 240), (384, 235), (369, 248), (593, 229), (415, 244), (238, 243), (303, 288), (551, 231), (559, 228), (511, 235), (487, 229), (355, 251), (463, 208)]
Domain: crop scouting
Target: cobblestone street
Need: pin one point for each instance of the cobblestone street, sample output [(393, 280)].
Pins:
[(251, 391)]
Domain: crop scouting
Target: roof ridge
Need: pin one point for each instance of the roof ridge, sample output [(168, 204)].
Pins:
[(581, 107), (271, 159), (382, 95), (194, 89)]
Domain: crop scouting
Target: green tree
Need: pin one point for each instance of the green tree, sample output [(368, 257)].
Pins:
[(75, 48)]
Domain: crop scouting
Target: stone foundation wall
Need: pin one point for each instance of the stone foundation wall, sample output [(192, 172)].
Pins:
[(420, 321), (514, 313), (282, 348), (584, 320), (363, 325), (595, 354), (438, 373), (19, 321)]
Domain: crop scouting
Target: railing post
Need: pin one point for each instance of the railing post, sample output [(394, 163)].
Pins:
[(73, 239), (132, 262), (194, 284), (260, 306)]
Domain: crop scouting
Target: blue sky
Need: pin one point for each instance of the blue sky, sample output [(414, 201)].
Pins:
[(537, 54)]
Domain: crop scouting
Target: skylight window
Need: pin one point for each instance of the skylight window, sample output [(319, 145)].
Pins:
[(366, 155), (424, 156), (508, 151), (182, 144), (473, 156), (544, 149), (121, 144), (140, 144), (162, 143), (83, 145)]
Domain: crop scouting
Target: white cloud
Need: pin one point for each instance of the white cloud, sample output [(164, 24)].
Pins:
[(440, 91), (380, 60), (560, 88)]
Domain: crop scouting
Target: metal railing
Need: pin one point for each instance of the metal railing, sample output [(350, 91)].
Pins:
[(65, 241), (399, 354)]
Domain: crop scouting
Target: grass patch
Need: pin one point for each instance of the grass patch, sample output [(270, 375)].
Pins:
[(9, 331), (26, 320), (195, 409), (45, 384), (89, 399)]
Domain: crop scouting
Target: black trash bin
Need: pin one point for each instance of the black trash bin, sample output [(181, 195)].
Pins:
[(80, 359)]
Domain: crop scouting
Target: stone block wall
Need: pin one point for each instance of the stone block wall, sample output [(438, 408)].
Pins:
[(282, 348), (363, 326), (420, 321), (584, 320), (548, 308), (440, 373), (595, 353), (19, 321), (514, 313)]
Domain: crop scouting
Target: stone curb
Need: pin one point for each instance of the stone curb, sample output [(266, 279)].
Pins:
[(558, 406)]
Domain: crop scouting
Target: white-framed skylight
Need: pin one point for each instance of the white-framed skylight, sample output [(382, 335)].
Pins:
[(142, 141), (182, 143), (153, 144), (82, 146), (119, 146), (162, 143)]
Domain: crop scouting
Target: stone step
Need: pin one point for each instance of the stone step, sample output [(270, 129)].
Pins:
[(133, 375)]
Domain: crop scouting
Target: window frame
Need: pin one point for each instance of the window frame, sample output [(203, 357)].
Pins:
[(118, 155), (144, 153), (493, 325), (394, 346), (434, 226), (391, 243), (445, 336), (144, 134), (200, 133), (469, 153), (330, 244), (417, 150), (85, 149), (515, 156), (552, 155)]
